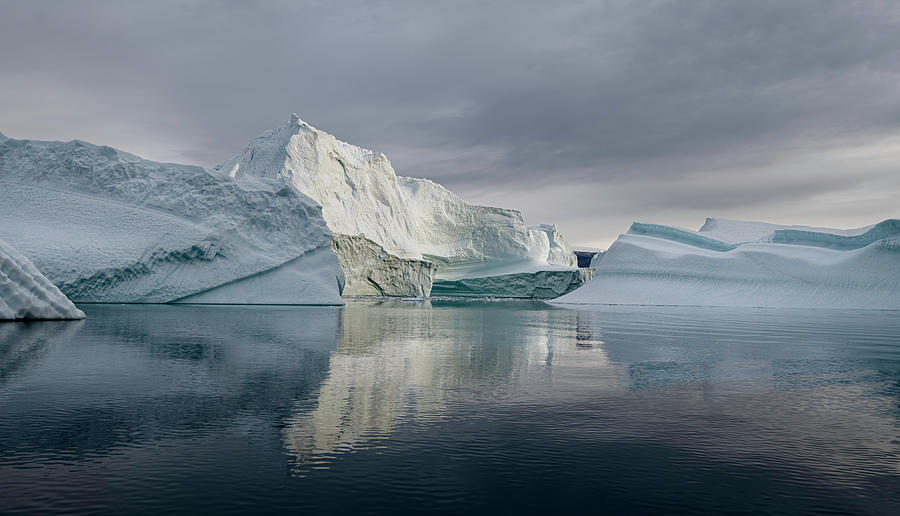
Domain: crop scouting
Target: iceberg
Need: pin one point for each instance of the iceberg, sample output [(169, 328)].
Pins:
[(25, 293), (411, 220), (107, 226), (737, 263), (297, 218)]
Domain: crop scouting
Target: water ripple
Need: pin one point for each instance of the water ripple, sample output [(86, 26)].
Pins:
[(451, 407)]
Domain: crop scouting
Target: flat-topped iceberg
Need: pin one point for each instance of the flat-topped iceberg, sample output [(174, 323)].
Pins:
[(25, 293), (107, 226), (407, 218), (734, 263)]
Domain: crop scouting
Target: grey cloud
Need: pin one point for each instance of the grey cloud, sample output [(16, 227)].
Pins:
[(491, 99)]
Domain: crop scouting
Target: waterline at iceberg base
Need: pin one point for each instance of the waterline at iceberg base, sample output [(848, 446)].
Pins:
[(299, 217)]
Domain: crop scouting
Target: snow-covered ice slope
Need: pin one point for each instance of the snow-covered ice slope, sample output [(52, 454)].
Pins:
[(468, 240), (25, 293), (108, 226), (730, 263), (357, 188), (414, 219)]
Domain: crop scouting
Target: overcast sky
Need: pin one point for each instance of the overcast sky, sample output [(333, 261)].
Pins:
[(587, 114)]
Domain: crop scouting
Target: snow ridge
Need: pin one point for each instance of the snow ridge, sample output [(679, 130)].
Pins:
[(680, 235), (885, 229)]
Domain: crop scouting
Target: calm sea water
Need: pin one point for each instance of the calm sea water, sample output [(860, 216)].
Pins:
[(456, 407)]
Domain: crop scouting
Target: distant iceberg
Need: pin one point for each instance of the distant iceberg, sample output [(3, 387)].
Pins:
[(107, 226), (412, 220), (25, 293), (736, 263)]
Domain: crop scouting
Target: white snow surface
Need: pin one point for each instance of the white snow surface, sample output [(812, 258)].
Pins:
[(732, 263), (357, 189), (410, 218), (560, 252), (108, 226), (25, 293), (740, 231)]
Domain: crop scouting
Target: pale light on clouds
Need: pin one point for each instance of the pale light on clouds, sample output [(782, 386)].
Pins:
[(590, 115)]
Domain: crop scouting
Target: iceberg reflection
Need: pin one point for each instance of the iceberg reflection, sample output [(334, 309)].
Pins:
[(405, 362)]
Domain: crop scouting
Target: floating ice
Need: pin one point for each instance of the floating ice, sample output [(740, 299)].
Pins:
[(108, 226), (732, 263), (410, 219)]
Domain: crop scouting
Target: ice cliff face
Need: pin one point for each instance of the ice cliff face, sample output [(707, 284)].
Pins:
[(411, 219), (25, 293), (732, 263), (560, 253), (108, 226), (547, 284), (372, 271)]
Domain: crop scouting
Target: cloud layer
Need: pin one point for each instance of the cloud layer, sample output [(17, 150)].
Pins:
[(588, 114)]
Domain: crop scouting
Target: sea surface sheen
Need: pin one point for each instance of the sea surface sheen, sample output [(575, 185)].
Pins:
[(454, 407)]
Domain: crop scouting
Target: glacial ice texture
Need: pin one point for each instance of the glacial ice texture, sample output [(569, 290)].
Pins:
[(108, 226), (369, 270), (25, 293), (410, 219), (732, 263), (544, 284)]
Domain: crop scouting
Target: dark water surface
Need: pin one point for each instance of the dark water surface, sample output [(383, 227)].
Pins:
[(472, 407)]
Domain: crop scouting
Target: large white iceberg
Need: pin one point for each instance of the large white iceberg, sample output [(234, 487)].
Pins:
[(25, 293), (733, 263), (410, 219), (108, 226)]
